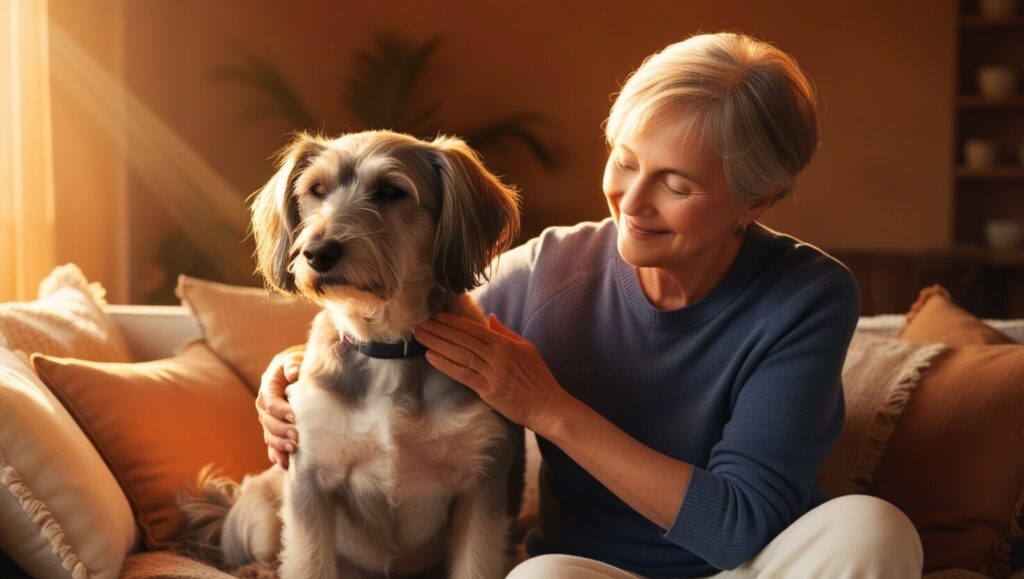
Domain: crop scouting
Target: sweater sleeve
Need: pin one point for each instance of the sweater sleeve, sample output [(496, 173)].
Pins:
[(786, 414), (505, 291)]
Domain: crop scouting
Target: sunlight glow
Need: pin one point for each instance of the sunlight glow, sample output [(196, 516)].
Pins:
[(187, 187), (26, 150)]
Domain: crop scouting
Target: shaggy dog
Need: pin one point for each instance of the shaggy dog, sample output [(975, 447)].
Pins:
[(401, 471)]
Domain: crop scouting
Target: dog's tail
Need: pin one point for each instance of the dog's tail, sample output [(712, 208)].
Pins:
[(205, 505)]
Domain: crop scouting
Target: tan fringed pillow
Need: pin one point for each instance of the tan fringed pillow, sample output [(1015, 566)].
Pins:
[(955, 464), (66, 320), (935, 318), (879, 376), (62, 513), (245, 326), (157, 423)]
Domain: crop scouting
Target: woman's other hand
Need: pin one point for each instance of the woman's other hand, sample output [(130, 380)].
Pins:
[(275, 413)]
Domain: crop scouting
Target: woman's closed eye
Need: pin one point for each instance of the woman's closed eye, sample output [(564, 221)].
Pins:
[(676, 186), (623, 165)]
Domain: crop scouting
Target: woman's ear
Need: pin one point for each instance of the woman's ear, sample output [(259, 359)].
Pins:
[(275, 213), (479, 217), (753, 212)]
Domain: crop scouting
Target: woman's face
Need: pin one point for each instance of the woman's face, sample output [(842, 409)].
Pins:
[(669, 198)]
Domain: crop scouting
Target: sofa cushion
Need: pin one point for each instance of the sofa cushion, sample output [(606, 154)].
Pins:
[(934, 317), (878, 378), (66, 320), (157, 423), (955, 464), (245, 326), (56, 494)]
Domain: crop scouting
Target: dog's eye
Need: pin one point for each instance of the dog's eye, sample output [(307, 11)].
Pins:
[(387, 192), (318, 190)]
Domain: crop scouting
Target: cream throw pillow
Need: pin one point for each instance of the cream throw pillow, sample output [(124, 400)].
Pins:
[(66, 320), (879, 376), (62, 514), (246, 326)]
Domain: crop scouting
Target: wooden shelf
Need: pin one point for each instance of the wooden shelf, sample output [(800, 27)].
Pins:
[(979, 102), (987, 255), (997, 173), (968, 253), (977, 21)]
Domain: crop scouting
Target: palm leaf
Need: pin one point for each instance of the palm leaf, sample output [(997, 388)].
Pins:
[(516, 127), (281, 99), (381, 91)]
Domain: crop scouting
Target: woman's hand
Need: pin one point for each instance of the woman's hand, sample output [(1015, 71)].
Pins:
[(504, 368), (275, 413)]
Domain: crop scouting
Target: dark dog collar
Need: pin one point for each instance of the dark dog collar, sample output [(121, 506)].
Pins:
[(386, 350)]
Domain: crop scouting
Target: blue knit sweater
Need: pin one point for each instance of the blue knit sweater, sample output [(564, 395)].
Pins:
[(744, 384)]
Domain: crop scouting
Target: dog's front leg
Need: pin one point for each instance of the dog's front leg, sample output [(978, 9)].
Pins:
[(480, 530), (309, 527)]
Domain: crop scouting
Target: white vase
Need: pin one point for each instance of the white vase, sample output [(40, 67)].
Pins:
[(980, 153), (998, 9), (996, 81)]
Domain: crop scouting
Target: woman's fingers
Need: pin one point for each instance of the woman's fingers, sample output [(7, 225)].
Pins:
[(275, 413), (282, 371), (446, 342), (292, 362), (446, 323), (278, 407), (278, 457), (283, 433), (458, 372), (495, 325)]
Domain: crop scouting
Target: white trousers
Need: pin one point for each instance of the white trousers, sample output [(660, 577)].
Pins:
[(855, 536)]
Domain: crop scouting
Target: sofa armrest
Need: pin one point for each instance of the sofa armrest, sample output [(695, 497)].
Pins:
[(154, 332)]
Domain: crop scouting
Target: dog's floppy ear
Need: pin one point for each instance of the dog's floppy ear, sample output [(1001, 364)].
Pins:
[(275, 213), (479, 217)]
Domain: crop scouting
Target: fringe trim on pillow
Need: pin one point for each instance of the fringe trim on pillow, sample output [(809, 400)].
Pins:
[(922, 298), (37, 512), (69, 275), (1002, 550), (882, 427)]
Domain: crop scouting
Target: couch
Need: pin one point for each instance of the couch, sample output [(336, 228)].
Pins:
[(934, 400)]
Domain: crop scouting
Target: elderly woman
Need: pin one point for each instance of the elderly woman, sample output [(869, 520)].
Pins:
[(680, 362)]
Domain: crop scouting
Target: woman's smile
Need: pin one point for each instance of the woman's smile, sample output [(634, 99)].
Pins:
[(642, 233)]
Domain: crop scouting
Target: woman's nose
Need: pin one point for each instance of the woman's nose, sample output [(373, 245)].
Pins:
[(633, 199)]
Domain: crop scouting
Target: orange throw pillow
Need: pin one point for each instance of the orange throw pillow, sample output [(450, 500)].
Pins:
[(157, 423), (955, 464), (935, 318)]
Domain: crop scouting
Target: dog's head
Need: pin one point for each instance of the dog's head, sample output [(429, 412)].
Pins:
[(367, 214)]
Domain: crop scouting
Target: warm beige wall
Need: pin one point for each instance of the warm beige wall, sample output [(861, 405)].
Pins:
[(884, 71), (89, 170)]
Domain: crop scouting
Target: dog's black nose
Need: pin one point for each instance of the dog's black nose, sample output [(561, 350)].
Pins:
[(321, 255)]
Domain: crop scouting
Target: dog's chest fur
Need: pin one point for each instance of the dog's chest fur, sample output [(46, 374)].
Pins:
[(393, 440)]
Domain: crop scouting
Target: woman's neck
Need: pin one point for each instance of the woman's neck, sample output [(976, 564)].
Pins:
[(683, 284)]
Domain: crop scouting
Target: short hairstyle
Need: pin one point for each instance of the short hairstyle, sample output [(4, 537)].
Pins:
[(748, 101)]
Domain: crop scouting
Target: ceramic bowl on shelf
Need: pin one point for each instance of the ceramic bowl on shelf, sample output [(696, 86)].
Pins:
[(980, 153), (998, 9), (1004, 233), (997, 81)]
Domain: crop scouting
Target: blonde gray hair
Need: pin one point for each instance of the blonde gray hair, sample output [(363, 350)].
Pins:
[(747, 100)]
